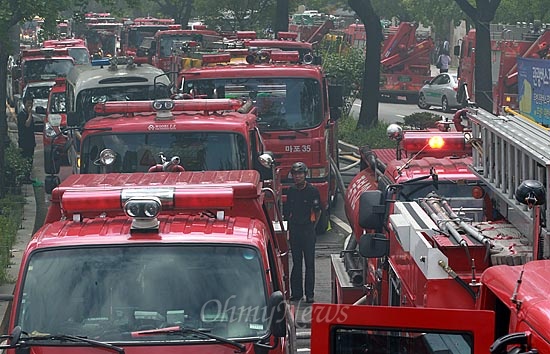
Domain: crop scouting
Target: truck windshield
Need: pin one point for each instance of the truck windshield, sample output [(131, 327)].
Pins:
[(46, 69), (175, 43), (137, 152), (87, 99), (377, 341), (105, 293), (283, 103), (80, 55)]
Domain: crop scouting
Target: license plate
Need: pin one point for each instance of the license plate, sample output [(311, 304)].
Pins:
[(402, 98)]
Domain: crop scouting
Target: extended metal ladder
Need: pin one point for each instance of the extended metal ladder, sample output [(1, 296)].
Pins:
[(514, 149)]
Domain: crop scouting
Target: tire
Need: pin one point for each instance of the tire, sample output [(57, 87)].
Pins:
[(422, 102), (445, 104), (322, 225)]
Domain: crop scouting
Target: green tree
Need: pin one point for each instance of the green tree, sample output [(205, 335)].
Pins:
[(370, 86), (235, 15), (11, 14), (180, 10), (512, 11), (481, 16)]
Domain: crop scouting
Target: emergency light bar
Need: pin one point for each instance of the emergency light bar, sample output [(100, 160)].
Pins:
[(246, 35), (105, 200), (214, 104), (44, 52), (287, 35), (285, 56), (216, 58), (101, 62), (417, 141)]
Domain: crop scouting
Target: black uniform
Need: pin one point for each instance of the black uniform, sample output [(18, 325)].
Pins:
[(298, 209), (25, 134)]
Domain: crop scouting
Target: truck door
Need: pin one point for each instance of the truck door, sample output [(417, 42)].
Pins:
[(350, 329)]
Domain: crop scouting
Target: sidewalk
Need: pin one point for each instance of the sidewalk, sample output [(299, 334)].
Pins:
[(26, 229)]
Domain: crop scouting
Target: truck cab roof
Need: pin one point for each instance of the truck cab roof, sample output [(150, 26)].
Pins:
[(239, 189)]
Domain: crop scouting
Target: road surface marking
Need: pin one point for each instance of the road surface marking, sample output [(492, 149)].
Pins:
[(400, 115), (341, 224)]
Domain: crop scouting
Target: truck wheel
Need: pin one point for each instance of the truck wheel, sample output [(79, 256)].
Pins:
[(50, 167), (422, 102), (445, 104), (322, 225), (50, 183)]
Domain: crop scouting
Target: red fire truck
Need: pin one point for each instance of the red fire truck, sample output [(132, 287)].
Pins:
[(76, 47), (404, 60), (118, 79), (297, 110), (405, 63), (454, 233), (171, 46), (135, 31), (45, 64), (187, 262), (507, 43)]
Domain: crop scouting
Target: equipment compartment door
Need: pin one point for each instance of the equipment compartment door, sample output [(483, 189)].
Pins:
[(347, 329)]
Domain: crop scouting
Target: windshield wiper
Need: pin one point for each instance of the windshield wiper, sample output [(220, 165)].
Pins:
[(23, 341), (184, 330)]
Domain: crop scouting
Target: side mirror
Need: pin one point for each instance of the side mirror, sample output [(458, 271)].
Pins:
[(427, 81), (335, 96), (40, 110), (277, 314), (371, 210), (373, 245), (72, 119), (456, 50)]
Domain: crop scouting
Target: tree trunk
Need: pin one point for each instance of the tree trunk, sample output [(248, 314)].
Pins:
[(370, 87), (186, 13), (482, 17), (281, 16)]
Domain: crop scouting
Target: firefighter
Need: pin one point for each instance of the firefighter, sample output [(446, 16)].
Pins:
[(302, 211)]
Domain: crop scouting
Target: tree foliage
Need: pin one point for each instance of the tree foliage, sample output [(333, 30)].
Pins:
[(232, 15)]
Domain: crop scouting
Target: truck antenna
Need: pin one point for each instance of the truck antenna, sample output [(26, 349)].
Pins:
[(514, 298)]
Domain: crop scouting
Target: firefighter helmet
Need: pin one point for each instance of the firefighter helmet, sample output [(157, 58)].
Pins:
[(298, 167)]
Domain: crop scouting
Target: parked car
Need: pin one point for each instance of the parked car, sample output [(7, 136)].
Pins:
[(440, 91), (40, 91)]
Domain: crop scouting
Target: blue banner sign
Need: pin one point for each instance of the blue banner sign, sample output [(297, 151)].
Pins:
[(534, 89)]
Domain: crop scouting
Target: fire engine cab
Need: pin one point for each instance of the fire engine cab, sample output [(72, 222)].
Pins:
[(44, 64), (134, 136), (141, 262), (450, 233), (297, 110)]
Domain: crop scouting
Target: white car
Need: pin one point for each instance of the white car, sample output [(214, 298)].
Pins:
[(440, 91), (40, 91)]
